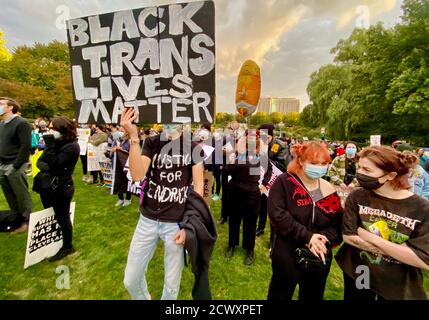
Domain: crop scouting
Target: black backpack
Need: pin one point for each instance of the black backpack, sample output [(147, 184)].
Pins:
[(9, 221)]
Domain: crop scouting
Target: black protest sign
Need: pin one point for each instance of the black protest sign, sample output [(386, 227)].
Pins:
[(158, 60)]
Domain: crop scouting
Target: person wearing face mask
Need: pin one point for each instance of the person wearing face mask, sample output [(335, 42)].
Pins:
[(42, 130), (217, 164), (203, 136), (168, 162), (385, 229), (342, 172), (244, 192), (229, 141), (306, 214), (279, 154), (15, 150), (120, 146), (99, 137), (418, 177), (58, 161)]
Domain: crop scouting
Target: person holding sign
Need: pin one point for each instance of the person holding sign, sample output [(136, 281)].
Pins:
[(385, 229), (167, 161), (54, 182), (306, 215)]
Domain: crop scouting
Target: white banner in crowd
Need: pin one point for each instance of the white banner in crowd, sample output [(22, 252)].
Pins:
[(95, 156), (44, 236), (82, 138), (276, 173), (375, 140)]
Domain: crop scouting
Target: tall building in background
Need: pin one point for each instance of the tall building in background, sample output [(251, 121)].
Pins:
[(283, 105)]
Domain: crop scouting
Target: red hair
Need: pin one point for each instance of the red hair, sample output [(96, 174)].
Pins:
[(312, 151)]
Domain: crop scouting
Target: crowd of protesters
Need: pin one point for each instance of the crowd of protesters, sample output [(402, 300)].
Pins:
[(371, 202)]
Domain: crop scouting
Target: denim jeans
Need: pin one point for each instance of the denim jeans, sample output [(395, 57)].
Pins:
[(146, 237)]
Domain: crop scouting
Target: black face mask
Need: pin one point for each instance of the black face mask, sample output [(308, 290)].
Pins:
[(369, 182)]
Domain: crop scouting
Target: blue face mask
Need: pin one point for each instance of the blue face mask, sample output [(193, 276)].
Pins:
[(315, 171), (351, 151), (1, 110)]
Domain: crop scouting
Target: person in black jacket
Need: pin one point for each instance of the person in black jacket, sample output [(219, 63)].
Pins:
[(229, 140), (279, 155), (306, 214), (59, 159), (201, 235), (244, 193)]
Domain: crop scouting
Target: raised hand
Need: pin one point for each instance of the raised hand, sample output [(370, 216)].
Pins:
[(127, 118)]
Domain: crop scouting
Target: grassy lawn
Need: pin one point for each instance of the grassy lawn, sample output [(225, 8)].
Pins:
[(102, 234)]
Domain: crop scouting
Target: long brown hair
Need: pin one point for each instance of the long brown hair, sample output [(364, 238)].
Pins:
[(66, 127), (389, 160)]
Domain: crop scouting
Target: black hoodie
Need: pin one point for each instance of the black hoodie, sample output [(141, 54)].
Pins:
[(297, 218), (201, 236)]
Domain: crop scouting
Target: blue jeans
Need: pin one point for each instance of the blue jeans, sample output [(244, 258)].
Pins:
[(146, 237)]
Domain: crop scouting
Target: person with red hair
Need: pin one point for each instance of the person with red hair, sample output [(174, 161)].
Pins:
[(306, 213), (385, 229)]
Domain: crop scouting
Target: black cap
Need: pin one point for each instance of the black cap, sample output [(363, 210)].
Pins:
[(269, 127)]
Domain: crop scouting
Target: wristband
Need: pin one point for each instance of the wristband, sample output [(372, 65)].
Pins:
[(134, 141)]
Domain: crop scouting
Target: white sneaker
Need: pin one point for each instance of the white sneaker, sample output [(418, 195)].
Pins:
[(119, 203), (126, 203)]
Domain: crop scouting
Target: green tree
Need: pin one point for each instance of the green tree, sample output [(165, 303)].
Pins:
[(222, 118), (259, 118), (378, 82), (4, 52), (276, 117), (44, 71), (291, 119)]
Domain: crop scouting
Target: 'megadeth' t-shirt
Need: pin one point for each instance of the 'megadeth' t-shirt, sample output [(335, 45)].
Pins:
[(170, 176), (404, 221)]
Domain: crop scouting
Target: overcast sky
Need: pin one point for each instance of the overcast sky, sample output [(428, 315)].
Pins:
[(289, 39)]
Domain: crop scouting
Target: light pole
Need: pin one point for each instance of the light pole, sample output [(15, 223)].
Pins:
[(281, 126)]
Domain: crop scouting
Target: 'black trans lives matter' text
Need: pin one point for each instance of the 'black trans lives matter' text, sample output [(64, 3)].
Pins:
[(158, 60)]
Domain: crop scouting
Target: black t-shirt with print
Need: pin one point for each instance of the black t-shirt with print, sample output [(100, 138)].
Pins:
[(404, 221), (170, 176)]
